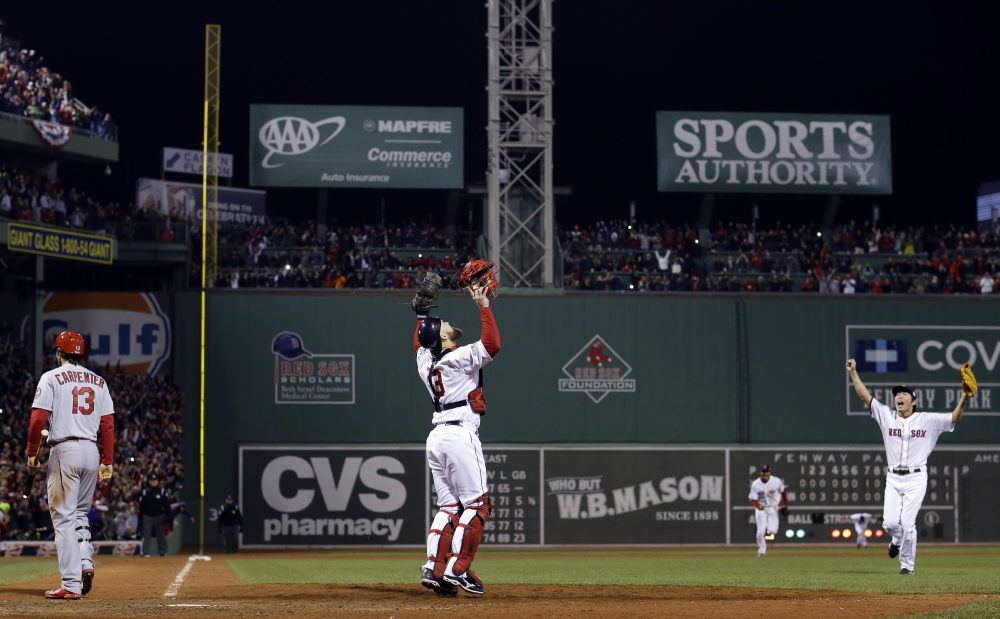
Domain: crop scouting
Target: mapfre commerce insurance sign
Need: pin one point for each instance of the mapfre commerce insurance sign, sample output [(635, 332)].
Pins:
[(351, 146), (773, 153)]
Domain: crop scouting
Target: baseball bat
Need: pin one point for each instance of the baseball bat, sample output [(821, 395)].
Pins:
[(29, 478)]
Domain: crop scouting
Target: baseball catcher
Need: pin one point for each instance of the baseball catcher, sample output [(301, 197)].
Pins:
[(452, 375)]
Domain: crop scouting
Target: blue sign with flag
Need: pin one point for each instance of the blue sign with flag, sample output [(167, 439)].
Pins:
[(880, 355)]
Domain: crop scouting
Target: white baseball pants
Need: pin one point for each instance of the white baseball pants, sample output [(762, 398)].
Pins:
[(73, 469), (767, 520), (904, 494)]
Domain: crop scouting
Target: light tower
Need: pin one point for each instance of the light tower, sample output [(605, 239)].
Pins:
[(519, 227)]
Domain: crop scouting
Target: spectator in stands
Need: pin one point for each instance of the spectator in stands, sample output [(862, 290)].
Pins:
[(986, 283)]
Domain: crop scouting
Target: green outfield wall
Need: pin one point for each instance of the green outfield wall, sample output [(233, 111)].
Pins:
[(732, 371)]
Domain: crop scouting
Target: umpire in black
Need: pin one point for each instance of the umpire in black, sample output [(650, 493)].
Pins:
[(154, 513), (230, 523)]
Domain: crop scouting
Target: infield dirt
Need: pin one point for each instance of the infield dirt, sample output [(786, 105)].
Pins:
[(133, 586)]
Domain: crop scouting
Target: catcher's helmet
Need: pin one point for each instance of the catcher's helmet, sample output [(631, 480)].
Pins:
[(70, 342), (429, 334), (479, 274)]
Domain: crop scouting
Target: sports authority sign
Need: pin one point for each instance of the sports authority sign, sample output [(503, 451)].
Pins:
[(773, 153), (597, 370), (301, 377), (928, 359), (351, 146)]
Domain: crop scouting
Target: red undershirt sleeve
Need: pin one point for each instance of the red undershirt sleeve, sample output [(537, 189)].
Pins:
[(784, 497), (106, 438), (39, 419), (490, 335), (756, 503), (416, 341)]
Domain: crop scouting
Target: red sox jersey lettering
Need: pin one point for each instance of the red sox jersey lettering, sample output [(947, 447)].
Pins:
[(909, 442)]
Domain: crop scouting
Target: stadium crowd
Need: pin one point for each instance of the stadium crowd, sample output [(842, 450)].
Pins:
[(626, 255), (28, 88), (147, 440)]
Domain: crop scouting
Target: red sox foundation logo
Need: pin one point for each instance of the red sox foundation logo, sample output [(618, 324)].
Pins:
[(597, 370)]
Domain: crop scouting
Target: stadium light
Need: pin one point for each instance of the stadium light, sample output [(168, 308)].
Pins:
[(836, 533), (800, 533), (847, 533), (819, 234)]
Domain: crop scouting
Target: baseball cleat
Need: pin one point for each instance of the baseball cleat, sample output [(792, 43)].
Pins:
[(893, 551), (906, 572), (768, 536), (440, 587), (88, 581), (467, 584), (62, 594)]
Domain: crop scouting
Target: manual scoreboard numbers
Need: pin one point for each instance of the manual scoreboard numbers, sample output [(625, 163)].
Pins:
[(512, 483)]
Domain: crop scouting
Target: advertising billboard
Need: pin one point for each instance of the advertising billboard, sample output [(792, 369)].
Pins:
[(356, 146), (182, 201), (773, 153)]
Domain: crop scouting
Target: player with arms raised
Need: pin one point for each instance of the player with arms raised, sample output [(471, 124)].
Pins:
[(909, 440), (452, 375), (76, 405)]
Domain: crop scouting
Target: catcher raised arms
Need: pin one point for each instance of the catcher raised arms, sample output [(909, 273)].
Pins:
[(478, 274)]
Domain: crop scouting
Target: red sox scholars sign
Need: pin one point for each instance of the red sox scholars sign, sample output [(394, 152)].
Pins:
[(301, 377), (597, 370)]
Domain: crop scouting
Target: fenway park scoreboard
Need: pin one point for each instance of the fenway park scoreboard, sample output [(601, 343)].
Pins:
[(825, 486)]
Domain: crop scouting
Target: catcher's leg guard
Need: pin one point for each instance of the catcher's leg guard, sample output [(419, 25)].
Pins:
[(468, 533), (440, 537)]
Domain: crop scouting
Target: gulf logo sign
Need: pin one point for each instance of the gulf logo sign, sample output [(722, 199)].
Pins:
[(126, 328)]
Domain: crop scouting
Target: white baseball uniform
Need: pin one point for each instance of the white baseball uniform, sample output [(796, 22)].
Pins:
[(77, 399), (768, 495), (454, 452), (908, 444), (861, 522)]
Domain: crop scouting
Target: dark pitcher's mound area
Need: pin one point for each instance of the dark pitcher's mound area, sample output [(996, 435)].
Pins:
[(128, 586)]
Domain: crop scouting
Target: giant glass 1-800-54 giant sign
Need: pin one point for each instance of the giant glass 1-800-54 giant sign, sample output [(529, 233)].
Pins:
[(773, 153), (353, 146)]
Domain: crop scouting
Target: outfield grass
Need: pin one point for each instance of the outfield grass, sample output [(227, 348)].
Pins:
[(938, 570), (973, 610), (18, 569)]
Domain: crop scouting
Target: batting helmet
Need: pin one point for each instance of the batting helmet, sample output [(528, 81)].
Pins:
[(70, 342), (479, 274), (429, 334)]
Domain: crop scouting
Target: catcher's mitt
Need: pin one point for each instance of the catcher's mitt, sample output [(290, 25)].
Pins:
[(784, 512), (969, 385), (427, 293)]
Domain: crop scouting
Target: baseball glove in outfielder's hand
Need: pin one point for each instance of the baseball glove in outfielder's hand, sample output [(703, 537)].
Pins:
[(784, 512), (427, 293), (969, 385)]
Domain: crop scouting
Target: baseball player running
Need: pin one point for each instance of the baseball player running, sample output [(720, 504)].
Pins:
[(861, 522), (453, 377), (767, 493), (76, 405), (909, 440)]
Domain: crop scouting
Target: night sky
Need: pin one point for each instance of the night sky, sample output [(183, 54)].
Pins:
[(615, 65)]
